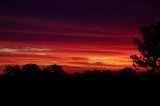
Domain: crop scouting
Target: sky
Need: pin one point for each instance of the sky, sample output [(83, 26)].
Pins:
[(77, 34)]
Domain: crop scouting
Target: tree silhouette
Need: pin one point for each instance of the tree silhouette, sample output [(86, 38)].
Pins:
[(31, 68), (13, 70), (56, 69), (149, 48), (32, 72), (127, 73)]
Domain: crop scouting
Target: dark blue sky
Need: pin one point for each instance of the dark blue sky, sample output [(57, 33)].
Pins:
[(85, 11)]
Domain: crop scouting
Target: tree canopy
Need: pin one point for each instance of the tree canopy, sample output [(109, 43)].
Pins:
[(149, 47)]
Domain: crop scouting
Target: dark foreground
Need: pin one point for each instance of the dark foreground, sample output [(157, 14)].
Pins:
[(54, 85), (55, 73), (54, 78)]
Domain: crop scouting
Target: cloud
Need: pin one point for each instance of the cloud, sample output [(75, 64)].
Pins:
[(23, 51), (91, 64), (27, 29), (4, 53), (14, 49), (49, 52), (79, 58)]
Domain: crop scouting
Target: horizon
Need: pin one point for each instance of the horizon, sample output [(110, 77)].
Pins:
[(80, 34)]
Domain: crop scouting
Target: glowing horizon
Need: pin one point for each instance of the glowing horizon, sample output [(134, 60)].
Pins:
[(78, 34), (91, 49)]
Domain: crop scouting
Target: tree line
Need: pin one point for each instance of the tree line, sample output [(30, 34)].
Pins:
[(56, 73), (149, 58)]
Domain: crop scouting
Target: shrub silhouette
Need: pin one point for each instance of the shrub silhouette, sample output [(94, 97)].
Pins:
[(31, 71), (13, 70), (56, 69), (149, 48), (127, 73), (31, 68), (55, 73)]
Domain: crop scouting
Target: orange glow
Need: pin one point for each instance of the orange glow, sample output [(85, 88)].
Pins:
[(78, 57), (73, 46)]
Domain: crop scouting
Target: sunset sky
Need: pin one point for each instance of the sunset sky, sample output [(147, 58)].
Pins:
[(77, 34)]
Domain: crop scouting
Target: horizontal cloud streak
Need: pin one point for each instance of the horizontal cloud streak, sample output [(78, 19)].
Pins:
[(25, 40), (49, 31), (13, 49)]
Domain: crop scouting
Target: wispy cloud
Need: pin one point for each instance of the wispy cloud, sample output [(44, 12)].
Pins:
[(26, 40), (14, 49), (23, 51), (27, 29)]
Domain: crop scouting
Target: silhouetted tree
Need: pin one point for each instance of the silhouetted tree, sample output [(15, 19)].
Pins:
[(32, 72), (149, 48), (127, 73), (31, 68), (56, 69), (95, 75), (77, 76), (12, 70), (57, 72)]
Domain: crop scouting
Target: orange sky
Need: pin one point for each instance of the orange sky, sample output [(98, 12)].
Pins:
[(74, 46), (74, 56), (78, 34)]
